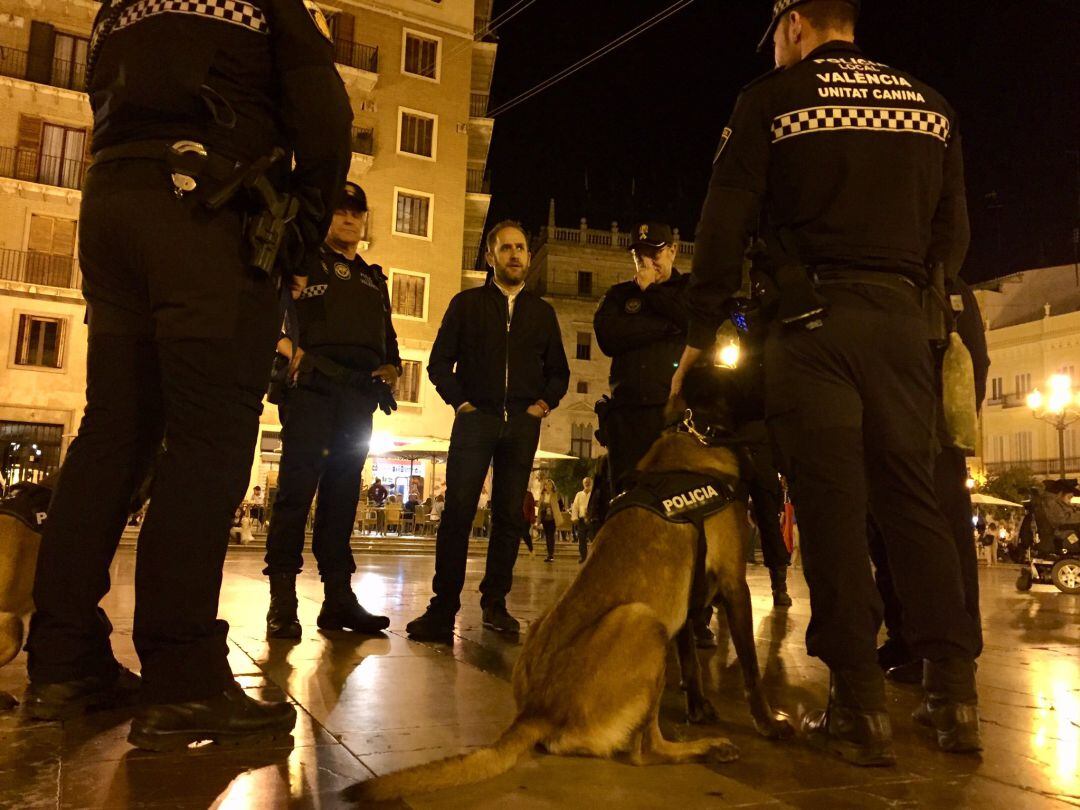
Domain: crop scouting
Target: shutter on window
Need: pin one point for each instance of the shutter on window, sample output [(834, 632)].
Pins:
[(40, 239), (39, 63), (344, 24), (28, 147)]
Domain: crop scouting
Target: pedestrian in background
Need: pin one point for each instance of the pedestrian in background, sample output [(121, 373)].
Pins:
[(579, 516), (548, 507)]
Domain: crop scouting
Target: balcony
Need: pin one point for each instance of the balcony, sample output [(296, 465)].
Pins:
[(32, 166), (362, 143), (39, 269), (358, 65), (43, 70), (478, 105), (477, 182), (1038, 466)]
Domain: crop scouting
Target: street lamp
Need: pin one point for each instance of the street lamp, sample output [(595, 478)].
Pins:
[(1060, 408)]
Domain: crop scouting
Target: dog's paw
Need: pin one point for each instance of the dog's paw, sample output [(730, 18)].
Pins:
[(774, 728), (702, 712), (724, 751)]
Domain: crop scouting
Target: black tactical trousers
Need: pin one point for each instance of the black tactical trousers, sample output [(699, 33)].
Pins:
[(325, 435), (181, 337), (479, 441), (632, 430), (763, 483), (852, 410), (950, 482)]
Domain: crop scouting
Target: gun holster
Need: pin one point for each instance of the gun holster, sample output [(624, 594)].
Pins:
[(603, 408), (278, 389)]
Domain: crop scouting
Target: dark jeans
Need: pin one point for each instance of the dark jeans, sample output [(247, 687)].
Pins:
[(852, 408), (585, 532), (767, 501), (478, 441), (549, 536), (181, 341), (324, 441), (632, 430), (950, 481)]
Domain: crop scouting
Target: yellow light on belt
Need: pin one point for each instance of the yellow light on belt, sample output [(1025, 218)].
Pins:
[(728, 346)]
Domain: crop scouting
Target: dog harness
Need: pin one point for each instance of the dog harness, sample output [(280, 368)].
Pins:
[(27, 503)]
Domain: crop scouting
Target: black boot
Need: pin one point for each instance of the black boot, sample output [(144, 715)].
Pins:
[(281, 621), (855, 725), (58, 701), (436, 624), (342, 611), (899, 664), (229, 718), (778, 577), (498, 618), (951, 705)]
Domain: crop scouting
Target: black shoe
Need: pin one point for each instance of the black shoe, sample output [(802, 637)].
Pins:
[(854, 725), (229, 718), (281, 621), (780, 597), (910, 673), (434, 625), (59, 701), (549, 559), (498, 618), (895, 653), (342, 611), (951, 705)]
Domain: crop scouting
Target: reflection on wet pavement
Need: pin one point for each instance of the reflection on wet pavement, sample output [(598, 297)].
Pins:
[(373, 705)]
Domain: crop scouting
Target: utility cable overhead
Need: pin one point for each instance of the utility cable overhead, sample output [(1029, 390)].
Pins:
[(492, 25), (599, 53)]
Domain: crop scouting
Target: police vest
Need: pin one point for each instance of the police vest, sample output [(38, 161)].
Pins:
[(344, 306)]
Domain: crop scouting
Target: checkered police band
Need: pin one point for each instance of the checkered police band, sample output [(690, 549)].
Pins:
[(876, 119), (235, 12), (314, 291)]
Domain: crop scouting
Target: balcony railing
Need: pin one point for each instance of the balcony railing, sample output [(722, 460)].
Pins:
[(1038, 466), (595, 238), (363, 140), (470, 257), (356, 55), (32, 267), (43, 69), (478, 105), (477, 182), (52, 170)]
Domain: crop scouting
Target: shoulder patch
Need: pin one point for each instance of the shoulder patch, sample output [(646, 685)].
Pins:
[(319, 19), (633, 306), (724, 138)]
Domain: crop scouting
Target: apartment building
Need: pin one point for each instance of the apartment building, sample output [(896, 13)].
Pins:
[(418, 76)]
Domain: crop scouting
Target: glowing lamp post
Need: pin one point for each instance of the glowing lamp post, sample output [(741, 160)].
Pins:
[(1060, 407)]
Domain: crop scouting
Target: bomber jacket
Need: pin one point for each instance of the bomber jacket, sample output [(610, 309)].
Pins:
[(498, 363)]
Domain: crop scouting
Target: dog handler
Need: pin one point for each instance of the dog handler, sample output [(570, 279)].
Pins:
[(857, 170)]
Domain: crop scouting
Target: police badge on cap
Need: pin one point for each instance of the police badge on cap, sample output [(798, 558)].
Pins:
[(780, 8), (654, 235)]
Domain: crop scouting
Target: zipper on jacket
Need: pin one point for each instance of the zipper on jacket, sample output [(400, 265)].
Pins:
[(506, 375)]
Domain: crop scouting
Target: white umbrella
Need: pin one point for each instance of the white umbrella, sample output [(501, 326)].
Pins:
[(990, 500), (547, 455)]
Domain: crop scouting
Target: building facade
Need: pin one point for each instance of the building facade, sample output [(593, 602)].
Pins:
[(1033, 332), (572, 269), (418, 73)]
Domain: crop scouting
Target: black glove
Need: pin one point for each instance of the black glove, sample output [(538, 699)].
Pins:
[(385, 395)]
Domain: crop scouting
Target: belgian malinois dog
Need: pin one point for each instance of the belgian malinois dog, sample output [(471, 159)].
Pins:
[(591, 672)]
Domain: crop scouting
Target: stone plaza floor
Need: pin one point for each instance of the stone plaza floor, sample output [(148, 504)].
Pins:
[(372, 706)]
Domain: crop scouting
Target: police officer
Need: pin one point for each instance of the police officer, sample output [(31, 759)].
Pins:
[(641, 325), (347, 349), (190, 105), (858, 172)]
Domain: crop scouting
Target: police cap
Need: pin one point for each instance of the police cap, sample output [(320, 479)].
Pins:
[(352, 196), (654, 235), (782, 7)]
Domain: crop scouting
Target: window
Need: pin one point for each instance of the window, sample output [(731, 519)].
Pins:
[(50, 250), (60, 157), (29, 451), (69, 61), (420, 56), (584, 282), (417, 134), (270, 441), (1070, 372), (582, 387), (997, 389), (408, 295), (581, 441), (408, 385), (1023, 384), (40, 342), (584, 346), (1022, 446), (1071, 443), (998, 445), (413, 213)]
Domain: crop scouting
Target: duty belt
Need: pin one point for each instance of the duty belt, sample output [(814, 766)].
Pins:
[(189, 160), (874, 278)]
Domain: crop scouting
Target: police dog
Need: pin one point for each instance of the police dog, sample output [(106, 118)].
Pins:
[(591, 672), (22, 517)]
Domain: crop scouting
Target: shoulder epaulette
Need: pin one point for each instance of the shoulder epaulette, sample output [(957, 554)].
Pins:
[(763, 78)]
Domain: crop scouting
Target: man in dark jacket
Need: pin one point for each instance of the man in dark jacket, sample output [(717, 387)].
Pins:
[(498, 360), (641, 325)]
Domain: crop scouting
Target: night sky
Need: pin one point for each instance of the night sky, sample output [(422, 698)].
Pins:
[(633, 135)]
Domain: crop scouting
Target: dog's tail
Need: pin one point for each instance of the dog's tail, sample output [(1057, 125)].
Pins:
[(465, 769)]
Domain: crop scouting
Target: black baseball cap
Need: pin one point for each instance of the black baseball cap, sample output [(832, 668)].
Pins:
[(655, 235), (782, 7), (352, 196)]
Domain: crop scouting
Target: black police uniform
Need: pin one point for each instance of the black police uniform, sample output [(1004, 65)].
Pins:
[(181, 328), (643, 332), (346, 333), (858, 168)]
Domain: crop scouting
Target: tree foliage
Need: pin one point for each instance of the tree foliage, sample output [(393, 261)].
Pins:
[(1012, 483)]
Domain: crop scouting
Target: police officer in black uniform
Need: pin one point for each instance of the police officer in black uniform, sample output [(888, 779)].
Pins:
[(347, 353), (641, 325), (178, 230), (856, 168)]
